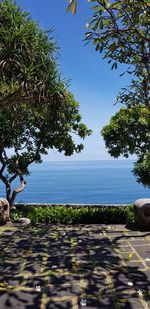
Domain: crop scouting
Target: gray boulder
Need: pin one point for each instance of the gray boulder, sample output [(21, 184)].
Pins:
[(142, 212), (4, 211)]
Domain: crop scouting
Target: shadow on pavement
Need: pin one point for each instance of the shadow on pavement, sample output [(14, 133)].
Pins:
[(89, 266)]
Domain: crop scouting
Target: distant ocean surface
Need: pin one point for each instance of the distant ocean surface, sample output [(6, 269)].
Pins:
[(84, 182)]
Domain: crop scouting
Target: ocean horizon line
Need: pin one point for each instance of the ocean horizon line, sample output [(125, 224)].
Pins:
[(89, 160)]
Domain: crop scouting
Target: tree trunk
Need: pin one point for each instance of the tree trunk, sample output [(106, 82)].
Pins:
[(8, 192), (11, 197), (17, 190)]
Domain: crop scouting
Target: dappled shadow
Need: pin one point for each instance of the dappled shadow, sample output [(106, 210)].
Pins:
[(71, 266), (135, 227)]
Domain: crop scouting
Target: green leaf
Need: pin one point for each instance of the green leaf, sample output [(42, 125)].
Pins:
[(69, 6), (74, 8), (97, 47), (101, 24), (96, 25), (114, 66)]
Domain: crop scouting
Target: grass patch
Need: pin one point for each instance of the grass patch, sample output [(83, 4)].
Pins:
[(72, 215)]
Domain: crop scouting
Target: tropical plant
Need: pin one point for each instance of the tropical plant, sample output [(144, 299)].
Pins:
[(120, 30), (37, 112), (27, 63), (74, 215)]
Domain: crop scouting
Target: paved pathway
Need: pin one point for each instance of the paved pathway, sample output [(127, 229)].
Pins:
[(91, 266)]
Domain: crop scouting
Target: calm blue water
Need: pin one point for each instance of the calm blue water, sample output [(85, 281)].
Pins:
[(82, 182)]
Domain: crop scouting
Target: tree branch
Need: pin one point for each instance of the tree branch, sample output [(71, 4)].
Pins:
[(2, 168), (13, 177), (3, 178)]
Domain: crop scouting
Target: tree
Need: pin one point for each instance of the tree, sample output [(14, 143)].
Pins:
[(120, 29), (37, 112), (129, 133)]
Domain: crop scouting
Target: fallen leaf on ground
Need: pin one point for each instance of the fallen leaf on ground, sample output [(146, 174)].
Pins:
[(140, 293), (38, 288), (122, 300), (3, 284), (130, 255), (130, 283)]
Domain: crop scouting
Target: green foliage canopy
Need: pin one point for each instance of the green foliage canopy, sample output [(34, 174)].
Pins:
[(129, 133), (120, 30), (37, 112), (27, 64)]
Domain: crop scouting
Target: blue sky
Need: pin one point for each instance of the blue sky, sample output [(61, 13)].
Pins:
[(93, 83)]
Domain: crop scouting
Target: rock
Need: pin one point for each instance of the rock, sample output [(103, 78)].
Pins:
[(23, 221), (4, 211), (142, 212)]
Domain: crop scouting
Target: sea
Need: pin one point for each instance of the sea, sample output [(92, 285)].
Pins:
[(86, 182)]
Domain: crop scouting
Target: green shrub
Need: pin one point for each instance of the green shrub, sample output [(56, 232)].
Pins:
[(72, 215)]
